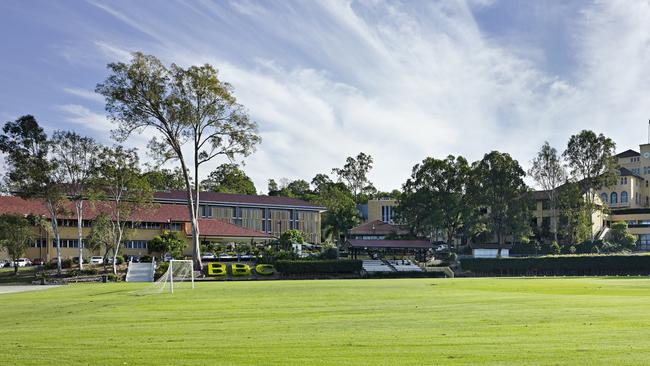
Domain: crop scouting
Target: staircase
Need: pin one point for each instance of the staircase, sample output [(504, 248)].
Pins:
[(140, 272)]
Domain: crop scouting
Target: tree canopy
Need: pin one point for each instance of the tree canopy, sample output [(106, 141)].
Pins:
[(228, 178)]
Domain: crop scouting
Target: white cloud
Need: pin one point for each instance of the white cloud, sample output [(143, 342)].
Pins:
[(85, 94), (84, 117), (401, 81)]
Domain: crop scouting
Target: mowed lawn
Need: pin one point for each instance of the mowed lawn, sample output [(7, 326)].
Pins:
[(482, 321)]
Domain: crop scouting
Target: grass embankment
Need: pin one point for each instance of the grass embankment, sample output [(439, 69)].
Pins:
[(556, 321), (25, 276)]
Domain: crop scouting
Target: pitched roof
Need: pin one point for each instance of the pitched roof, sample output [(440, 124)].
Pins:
[(378, 227), (216, 227), (489, 246), (156, 213), (218, 197), (627, 154), (625, 172), (401, 244)]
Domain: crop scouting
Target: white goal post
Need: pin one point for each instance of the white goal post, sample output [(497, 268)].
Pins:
[(179, 269)]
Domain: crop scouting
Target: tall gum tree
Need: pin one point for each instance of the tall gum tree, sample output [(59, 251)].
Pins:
[(32, 173), (185, 106), (592, 163), (76, 157), (549, 173)]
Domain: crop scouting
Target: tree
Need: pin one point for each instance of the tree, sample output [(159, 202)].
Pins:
[(168, 242), (76, 156), (620, 236), (290, 237), (16, 236), (320, 181), (435, 197), (497, 186), (549, 174), (118, 175), (574, 223), (341, 215), (183, 106), (273, 188), (104, 234), (592, 162), (228, 178), (31, 171), (355, 175), (165, 179)]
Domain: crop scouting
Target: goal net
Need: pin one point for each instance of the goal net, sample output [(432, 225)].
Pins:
[(179, 275)]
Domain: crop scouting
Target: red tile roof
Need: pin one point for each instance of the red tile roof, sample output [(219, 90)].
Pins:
[(219, 197), (156, 213), (216, 227), (405, 244)]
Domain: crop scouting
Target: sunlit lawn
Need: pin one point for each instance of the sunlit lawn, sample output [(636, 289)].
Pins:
[(544, 321)]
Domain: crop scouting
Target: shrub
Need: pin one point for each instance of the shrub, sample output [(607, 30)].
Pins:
[(328, 252), (161, 269), (66, 263), (560, 265), (318, 266), (145, 259)]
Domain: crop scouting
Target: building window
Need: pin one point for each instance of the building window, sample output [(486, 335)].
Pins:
[(644, 242), (546, 205), (613, 198), (623, 197), (135, 244), (67, 243), (39, 243), (387, 214), (206, 211), (175, 226), (603, 197)]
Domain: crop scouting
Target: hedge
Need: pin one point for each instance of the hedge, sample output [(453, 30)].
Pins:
[(318, 266), (571, 265)]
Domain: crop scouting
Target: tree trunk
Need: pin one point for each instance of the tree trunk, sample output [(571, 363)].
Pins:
[(79, 206), (57, 236), (196, 245)]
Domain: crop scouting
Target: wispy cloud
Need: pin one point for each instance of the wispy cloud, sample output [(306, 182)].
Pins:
[(398, 80), (85, 94)]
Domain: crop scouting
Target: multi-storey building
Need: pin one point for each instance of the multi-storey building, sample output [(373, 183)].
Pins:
[(269, 214), (381, 210), (226, 218)]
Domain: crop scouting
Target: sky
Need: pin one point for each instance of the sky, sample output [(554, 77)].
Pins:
[(325, 80)]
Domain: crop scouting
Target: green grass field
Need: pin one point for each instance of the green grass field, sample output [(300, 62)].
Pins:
[(539, 321)]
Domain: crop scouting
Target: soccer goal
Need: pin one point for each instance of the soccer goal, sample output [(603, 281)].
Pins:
[(179, 275)]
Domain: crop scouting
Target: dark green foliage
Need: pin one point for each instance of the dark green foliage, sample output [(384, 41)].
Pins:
[(165, 179), (66, 263), (146, 259), (355, 176), (290, 237), (318, 266), (560, 265), (167, 242), (621, 237), (229, 178)]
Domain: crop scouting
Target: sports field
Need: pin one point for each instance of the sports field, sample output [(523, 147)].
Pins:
[(542, 321)]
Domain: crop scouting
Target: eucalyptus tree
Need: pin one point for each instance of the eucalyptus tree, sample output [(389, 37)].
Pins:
[(229, 178), (125, 191), (182, 106), (497, 186), (592, 162), (549, 173), (32, 173), (76, 156), (355, 175), (435, 197), (16, 235), (341, 215)]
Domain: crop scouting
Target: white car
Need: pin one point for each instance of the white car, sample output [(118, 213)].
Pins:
[(96, 259), (167, 257), (22, 262), (4, 263), (207, 255)]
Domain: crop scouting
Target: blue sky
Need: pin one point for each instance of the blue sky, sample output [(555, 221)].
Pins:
[(325, 80)]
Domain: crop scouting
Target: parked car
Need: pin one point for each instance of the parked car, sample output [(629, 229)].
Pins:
[(207, 255), (167, 257), (442, 248), (133, 258), (96, 259), (4, 263), (22, 262)]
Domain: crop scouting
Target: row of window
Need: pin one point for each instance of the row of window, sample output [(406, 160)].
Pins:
[(74, 243), (176, 226), (613, 197), (387, 213)]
